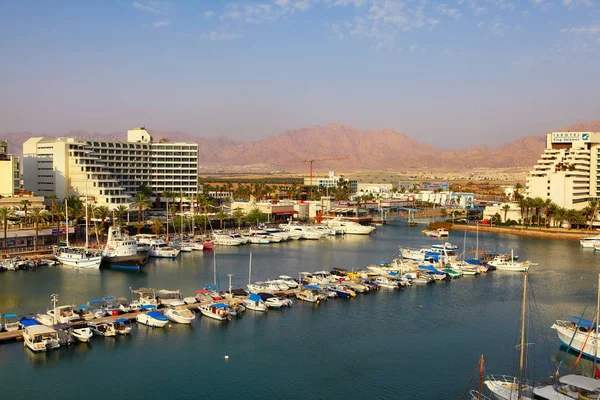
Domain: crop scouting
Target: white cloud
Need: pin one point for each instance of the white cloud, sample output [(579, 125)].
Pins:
[(152, 6), (209, 14), (590, 30), (215, 36), (449, 11), (574, 3), (337, 31), (162, 23)]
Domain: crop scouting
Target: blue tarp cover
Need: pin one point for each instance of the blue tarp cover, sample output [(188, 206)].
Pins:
[(109, 299), (431, 269), (123, 320), (83, 306), (586, 323), (210, 287), (28, 322), (147, 306), (157, 315), (254, 297), (219, 305), (432, 255), (10, 315), (313, 287), (96, 301)]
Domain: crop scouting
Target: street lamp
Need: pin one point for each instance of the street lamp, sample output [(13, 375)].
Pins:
[(229, 275)]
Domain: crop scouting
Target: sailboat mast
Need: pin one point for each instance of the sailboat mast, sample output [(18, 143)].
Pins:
[(596, 328), (214, 269), (86, 212), (477, 242), (250, 269), (167, 219), (522, 349), (464, 245), (66, 222)]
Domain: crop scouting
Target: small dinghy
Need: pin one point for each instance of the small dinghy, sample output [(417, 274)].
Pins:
[(122, 326), (82, 334)]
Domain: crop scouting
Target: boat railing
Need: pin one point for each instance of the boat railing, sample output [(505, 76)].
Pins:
[(511, 379), (475, 395)]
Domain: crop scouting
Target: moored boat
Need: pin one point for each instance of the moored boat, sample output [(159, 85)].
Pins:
[(178, 312), (154, 319), (218, 311), (40, 338)]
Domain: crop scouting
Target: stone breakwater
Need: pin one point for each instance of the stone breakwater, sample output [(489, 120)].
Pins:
[(553, 233)]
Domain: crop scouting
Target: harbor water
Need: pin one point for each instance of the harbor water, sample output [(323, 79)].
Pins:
[(422, 342)]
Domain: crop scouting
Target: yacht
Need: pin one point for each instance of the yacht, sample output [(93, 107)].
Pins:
[(105, 329), (40, 338), (77, 257), (157, 247), (218, 311), (288, 280), (349, 227), (570, 387), (155, 319), (82, 334), (306, 231), (122, 326), (63, 314), (226, 240), (121, 251), (589, 241)]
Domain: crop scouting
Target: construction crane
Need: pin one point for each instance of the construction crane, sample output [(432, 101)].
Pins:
[(311, 161)]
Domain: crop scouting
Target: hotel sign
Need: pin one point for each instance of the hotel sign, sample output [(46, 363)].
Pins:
[(567, 137)]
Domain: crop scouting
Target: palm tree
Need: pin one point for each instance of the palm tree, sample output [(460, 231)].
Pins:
[(98, 231), (59, 210), (547, 205), (38, 214), (168, 195), (52, 197), (538, 204), (221, 215), (25, 205), (101, 212), (238, 214), (120, 211), (5, 214), (141, 202), (522, 206), (505, 207), (593, 204), (157, 226)]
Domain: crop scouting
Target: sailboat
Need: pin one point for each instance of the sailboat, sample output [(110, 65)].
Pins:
[(581, 335), (506, 387), (76, 256)]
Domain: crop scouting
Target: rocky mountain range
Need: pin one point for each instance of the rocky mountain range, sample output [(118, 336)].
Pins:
[(361, 149)]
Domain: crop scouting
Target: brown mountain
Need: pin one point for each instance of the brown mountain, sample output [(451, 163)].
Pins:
[(364, 149)]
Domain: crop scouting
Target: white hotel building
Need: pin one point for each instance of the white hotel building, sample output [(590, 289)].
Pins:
[(110, 172), (568, 171)]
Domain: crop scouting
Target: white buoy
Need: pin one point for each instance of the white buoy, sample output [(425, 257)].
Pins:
[(227, 357)]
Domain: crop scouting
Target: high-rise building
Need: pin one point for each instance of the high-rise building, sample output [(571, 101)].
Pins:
[(10, 171), (110, 172), (568, 171)]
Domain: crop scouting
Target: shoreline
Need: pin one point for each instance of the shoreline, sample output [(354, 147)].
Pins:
[(552, 233)]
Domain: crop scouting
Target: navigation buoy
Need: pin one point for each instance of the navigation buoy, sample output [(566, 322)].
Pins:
[(169, 326), (420, 306), (227, 357)]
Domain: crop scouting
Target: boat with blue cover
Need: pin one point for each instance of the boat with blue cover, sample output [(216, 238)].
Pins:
[(255, 303), (122, 326), (218, 311), (10, 322), (155, 319)]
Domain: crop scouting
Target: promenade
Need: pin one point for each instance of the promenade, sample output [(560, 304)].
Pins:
[(550, 233)]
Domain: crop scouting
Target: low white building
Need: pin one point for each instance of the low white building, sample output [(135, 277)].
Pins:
[(513, 212)]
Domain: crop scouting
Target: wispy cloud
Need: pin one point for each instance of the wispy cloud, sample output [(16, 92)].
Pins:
[(449, 11), (574, 3), (209, 14), (159, 8), (497, 27), (215, 36), (590, 30)]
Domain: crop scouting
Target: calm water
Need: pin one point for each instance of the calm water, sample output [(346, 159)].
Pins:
[(421, 342)]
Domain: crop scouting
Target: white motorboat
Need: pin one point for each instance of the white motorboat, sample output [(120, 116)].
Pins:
[(589, 242), (45, 319), (254, 303), (190, 300), (122, 326), (570, 387), (327, 231), (178, 312), (82, 334), (349, 227), (187, 246), (77, 257), (63, 314), (218, 311), (308, 295), (10, 322), (155, 319), (224, 239), (259, 239), (411, 254), (40, 338), (105, 329), (306, 231), (386, 283), (288, 280)]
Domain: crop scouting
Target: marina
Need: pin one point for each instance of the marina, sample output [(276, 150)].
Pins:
[(423, 324)]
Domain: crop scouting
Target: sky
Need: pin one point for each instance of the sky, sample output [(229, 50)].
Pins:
[(449, 73)]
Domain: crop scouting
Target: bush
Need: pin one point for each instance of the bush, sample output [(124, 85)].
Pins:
[(437, 225)]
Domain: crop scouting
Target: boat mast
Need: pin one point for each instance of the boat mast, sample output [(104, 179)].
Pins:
[(86, 211), (54, 300), (250, 269), (596, 329), (66, 222), (215, 269), (522, 349), (464, 245), (167, 218), (477, 243)]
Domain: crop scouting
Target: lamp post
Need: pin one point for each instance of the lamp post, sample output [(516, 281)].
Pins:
[(229, 275)]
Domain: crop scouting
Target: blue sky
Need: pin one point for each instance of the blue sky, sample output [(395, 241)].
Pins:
[(449, 73)]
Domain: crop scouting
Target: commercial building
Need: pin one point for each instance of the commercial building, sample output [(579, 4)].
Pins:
[(111, 172), (568, 170), (331, 181), (10, 174)]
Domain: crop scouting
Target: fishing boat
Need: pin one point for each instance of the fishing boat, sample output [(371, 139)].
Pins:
[(254, 303), (40, 338), (154, 319), (507, 387), (10, 322), (82, 334), (178, 312), (122, 326), (218, 311), (105, 329), (504, 263), (121, 250)]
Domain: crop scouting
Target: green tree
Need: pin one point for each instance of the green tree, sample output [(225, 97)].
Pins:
[(157, 226), (25, 204), (52, 198), (593, 210), (238, 214), (121, 210), (102, 213), (221, 215), (59, 211), (5, 214), (169, 195), (145, 190), (38, 214), (538, 204), (505, 208), (548, 209), (255, 216), (141, 202)]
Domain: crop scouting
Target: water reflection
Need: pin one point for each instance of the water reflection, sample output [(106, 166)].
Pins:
[(585, 366)]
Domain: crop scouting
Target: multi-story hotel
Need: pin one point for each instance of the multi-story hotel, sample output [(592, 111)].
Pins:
[(110, 172), (10, 174), (568, 171)]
